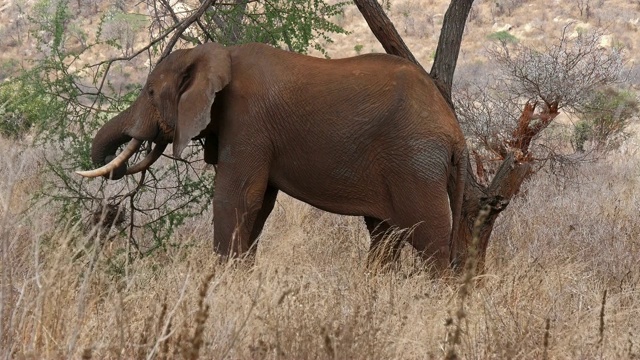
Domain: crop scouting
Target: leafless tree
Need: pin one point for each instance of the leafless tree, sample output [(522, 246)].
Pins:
[(567, 71), (526, 91)]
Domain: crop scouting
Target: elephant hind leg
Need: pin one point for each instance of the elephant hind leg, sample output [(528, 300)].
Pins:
[(425, 213), (431, 234), (385, 243)]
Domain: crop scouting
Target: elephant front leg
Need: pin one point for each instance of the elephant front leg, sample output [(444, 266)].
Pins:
[(268, 201), (236, 205)]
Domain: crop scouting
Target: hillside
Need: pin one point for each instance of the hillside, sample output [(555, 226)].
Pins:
[(418, 21)]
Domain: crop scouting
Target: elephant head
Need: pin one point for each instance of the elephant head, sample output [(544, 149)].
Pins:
[(174, 106)]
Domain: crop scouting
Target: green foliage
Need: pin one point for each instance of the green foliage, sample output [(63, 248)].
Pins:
[(65, 97), (292, 24), (386, 4), (358, 48), (605, 118), (20, 107), (581, 133), (503, 37)]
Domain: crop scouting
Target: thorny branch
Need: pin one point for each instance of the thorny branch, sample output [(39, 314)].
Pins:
[(529, 126)]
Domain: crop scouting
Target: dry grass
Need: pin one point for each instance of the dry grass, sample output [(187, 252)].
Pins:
[(553, 256)]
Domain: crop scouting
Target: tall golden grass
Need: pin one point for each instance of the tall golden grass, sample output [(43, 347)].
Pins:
[(561, 282)]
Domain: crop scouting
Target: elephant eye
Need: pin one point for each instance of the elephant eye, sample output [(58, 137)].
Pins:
[(151, 92)]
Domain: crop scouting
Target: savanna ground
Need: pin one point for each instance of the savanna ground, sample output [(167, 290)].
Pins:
[(562, 275), (552, 257)]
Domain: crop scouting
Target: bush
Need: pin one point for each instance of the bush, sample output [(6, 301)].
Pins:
[(503, 37), (605, 118), (23, 105), (12, 124)]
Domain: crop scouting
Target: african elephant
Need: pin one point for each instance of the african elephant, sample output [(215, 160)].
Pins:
[(369, 135)]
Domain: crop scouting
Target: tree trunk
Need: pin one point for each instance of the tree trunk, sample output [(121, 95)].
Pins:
[(444, 63), (384, 30), (507, 181)]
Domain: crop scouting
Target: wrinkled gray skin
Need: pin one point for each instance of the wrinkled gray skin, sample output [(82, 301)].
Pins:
[(369, 135)]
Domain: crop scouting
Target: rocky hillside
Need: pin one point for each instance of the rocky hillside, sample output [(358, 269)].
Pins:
[(531, 22)]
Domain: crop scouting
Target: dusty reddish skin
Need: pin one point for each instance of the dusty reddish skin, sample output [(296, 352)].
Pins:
[(369, 136)]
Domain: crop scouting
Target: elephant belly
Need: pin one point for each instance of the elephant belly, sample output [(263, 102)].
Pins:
[(341, 190), (365, 178)]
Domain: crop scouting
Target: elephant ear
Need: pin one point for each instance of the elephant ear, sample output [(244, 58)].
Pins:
[(208, 72)]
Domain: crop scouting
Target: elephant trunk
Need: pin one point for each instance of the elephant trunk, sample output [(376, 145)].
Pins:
[(151, 157), (107, 141)]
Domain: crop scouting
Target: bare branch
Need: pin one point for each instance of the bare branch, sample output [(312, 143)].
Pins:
[(565, 72), (183, 25), (384, 30), (529, 126)]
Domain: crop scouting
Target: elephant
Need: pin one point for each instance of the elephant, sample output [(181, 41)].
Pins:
[(368, 136)]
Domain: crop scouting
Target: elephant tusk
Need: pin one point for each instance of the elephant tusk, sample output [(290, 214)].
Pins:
[(107, 169), (148, 160)]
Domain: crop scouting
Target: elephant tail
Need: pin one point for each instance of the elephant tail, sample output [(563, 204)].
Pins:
[(455, 188)]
